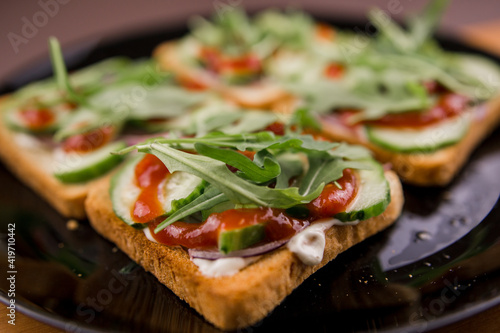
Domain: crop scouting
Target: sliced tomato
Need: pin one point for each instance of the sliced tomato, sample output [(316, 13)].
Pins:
[(37, 119), (449, 105), (90, 141), (334, 71), (325, 32), (220, 63)]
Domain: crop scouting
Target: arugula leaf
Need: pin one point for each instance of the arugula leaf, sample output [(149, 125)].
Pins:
[(100, 75), (235, 188), (179, 203), (309, 143), (204, 123), (480, 74), (390, 30), (230, 30), (208, 199), (304, 119), (291, 166), (163, 101), (256, 141), (280, 158), (250, 121), (60, 71), (422, 26), (292, 29), (261, 170), (252, 141), (350, 152), (324, 169)]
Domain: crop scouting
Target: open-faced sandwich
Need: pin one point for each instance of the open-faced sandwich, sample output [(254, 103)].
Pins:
[(233, 223), (400, 94), (230, 55), (56, 135), (395, 91)]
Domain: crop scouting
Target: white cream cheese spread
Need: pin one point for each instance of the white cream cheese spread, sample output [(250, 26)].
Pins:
[(222, 266), (309, 244)]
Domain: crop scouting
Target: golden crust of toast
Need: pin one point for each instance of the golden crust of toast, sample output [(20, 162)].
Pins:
[(240, 300), (32, 167)]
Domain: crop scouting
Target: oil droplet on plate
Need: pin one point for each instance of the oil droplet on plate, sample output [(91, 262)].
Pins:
[(423, 235)]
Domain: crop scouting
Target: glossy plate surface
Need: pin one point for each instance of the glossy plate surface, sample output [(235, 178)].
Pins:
[(437, 265)]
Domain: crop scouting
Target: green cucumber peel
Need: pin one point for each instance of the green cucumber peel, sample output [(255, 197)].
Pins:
[(373, 195), (121, 183), (94, 164), (237, 239)]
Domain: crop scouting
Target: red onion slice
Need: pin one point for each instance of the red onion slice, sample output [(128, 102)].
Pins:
[(248, 252)]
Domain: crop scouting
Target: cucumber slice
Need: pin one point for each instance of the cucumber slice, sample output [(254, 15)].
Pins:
[(45, 92), (237, 239), (15, 122), (373, 195), (178, 189), (124, 192), (426, 140), (77, 168)]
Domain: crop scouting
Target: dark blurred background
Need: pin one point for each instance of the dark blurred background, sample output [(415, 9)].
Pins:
[(25, 25)]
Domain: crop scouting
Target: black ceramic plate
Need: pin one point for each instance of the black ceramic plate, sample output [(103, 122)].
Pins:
[(437, 265)]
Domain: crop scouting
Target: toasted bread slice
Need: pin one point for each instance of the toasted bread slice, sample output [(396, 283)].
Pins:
[(32, 163), (239, 300), (258, 95), (422, 169)]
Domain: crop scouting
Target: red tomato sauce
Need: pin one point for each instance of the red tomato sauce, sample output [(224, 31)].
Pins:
[(191, 83), (219, 63), (37, 119), (333, 199), (90, 141), (205, 235), (449, 105), (325, 32), (334, 71), (150, 172), (277, 128)]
